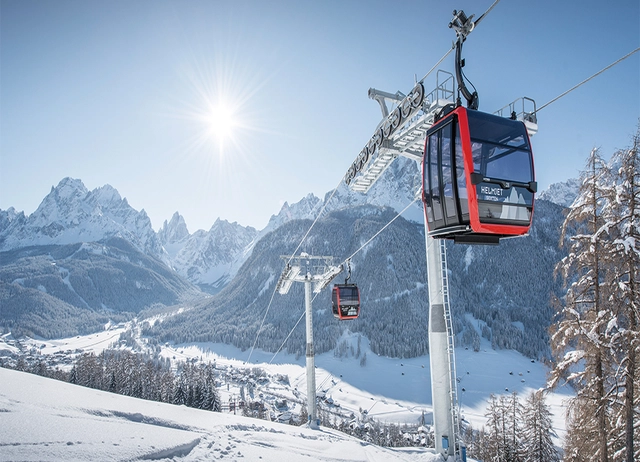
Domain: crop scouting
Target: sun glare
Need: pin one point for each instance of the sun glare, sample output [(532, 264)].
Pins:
[(222, 122), (220, 108)]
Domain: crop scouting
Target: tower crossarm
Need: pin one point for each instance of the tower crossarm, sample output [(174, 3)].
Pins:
[(319, 270)]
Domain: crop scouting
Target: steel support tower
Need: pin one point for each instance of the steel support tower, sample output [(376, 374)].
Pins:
[(442, 352), (316, 271), (402, 132)]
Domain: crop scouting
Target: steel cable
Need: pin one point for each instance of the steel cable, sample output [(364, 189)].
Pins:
[(586, 80)]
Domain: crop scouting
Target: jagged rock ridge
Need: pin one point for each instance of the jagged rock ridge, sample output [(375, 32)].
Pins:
[(70, 214)]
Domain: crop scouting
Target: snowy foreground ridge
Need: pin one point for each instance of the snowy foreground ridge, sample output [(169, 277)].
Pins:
[(47, 420)]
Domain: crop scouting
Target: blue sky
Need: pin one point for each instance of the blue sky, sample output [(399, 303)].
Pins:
[(120, 92)]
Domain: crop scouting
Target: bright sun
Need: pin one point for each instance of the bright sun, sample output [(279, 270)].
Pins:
[(222, 122), (218, 103)]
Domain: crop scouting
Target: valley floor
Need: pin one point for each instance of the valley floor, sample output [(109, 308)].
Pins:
[(41, 417)]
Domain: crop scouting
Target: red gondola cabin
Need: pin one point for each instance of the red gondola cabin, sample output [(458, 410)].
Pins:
[(345, 300), (478, 178)]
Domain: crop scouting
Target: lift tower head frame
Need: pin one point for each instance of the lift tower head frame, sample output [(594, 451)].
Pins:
[(317, 271)]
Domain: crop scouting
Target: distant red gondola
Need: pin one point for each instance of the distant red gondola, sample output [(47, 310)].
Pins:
[(345, 300)]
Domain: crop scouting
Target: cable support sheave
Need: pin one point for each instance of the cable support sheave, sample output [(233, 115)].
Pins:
[(453, 45)]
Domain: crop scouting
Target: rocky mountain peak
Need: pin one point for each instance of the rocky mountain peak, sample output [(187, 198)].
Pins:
[(173, 231), (107, 194), (563, 193), (68, 188), (70, 213)]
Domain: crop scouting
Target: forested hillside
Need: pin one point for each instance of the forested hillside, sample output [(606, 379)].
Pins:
[(63, 290), (507, 287)]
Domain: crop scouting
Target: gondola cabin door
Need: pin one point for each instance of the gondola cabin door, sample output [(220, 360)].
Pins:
[(345, 300), (478, 178)]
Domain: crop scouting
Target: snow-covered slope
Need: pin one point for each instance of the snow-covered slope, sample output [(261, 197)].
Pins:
[(47, 420), (355, 380)]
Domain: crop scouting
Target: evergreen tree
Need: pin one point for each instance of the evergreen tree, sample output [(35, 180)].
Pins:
[(73, 375), (167, 386), (211, 397), (89, 371), (513, 445), (537, 431), (579, 337), (623, 227), (112, 383), (180, 393)]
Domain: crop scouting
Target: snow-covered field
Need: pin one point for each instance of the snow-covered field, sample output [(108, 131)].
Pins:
[(389, 390), (47, 420)]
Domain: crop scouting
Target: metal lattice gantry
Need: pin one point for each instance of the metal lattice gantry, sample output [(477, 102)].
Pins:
[(313, 271), (403, 130)]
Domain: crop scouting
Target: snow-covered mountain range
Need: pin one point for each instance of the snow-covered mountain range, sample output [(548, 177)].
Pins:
[(108, 259), (563, 193), (208, 259), (71, 213)]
